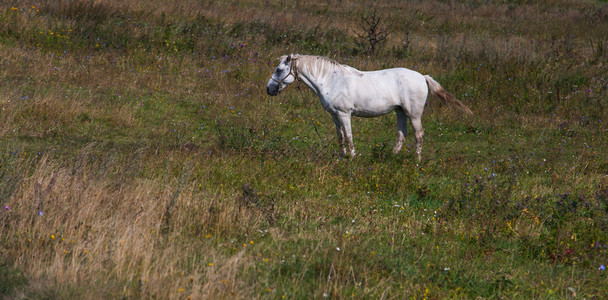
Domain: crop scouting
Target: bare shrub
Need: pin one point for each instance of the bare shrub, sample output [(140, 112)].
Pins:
[(374, 32)]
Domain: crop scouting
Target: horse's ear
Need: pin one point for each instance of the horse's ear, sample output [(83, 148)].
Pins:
[(289, 57)]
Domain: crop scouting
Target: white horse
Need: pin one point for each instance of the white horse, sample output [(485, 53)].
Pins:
[(345, 91)]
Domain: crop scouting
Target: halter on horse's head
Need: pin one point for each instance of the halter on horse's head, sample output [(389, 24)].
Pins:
[(285, 74)]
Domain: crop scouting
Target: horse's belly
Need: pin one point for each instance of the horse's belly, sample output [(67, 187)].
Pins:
[(374, 106), (370, 112)]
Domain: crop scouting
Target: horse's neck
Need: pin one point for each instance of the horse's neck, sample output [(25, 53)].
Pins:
[(311, 81), (319, 81), (315, 82)]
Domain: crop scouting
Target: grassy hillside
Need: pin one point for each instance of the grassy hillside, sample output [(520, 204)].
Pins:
[(140, 156)]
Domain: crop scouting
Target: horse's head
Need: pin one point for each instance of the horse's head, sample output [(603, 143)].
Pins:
[(283, 75)]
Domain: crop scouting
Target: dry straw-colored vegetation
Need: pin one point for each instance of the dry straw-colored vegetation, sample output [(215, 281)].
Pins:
[(141, 158)]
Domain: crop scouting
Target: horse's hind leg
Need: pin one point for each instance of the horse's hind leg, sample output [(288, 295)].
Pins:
[(401, 129), (419, 133)]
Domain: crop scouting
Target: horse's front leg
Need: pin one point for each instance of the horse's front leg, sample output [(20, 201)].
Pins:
[(340, 133), (345, 135)]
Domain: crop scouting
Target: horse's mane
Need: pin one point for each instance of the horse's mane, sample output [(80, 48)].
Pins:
[(321, 66)]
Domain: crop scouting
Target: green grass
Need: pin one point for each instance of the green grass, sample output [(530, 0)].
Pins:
[(140, 156)]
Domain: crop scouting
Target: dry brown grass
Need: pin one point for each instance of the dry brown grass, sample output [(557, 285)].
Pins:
[(70, 226)]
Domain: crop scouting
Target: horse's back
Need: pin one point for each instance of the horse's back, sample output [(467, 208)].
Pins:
[(405, 84), (374, 93)]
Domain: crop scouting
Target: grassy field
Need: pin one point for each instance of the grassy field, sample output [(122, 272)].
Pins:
[(140, 156)]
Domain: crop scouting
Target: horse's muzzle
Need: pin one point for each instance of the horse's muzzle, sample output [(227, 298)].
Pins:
[(272, 91)]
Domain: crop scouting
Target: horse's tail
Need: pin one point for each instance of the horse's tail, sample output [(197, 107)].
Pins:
[(444, 95)]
